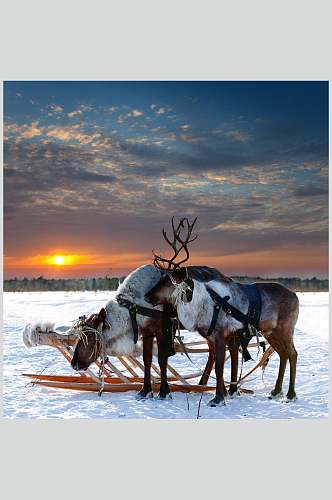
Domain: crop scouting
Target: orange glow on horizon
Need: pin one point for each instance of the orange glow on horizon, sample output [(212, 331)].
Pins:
[(290, 261), (62, 259)]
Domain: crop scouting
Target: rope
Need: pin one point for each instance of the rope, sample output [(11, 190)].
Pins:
[(199, 406), (188, 407), (32, 382), (102, 376)]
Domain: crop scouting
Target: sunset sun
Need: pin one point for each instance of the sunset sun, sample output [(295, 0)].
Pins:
[(58, 260)]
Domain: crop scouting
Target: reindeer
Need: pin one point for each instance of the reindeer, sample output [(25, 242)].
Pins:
[(111, 330), (195, 309)]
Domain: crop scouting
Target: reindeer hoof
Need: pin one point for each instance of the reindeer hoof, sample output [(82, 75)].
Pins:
[(217, 401), (275, 395), (290, 398), (234, 394), (144, 395), (164, 396)]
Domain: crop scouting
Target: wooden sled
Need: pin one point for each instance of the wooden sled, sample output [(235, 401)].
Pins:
[(130, 376)]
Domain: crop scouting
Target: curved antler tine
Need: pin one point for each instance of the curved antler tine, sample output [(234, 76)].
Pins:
[(187, 240), (172, 222), (160, 261), (186, 257), (166, 237)]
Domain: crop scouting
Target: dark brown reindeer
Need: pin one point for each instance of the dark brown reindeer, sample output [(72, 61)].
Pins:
[(110, 332), (195, 308)]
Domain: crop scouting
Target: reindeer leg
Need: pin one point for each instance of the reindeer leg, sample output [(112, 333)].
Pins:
[(146, 391), (279, 347), (292, 356), (234, 352), (163, 351), (209, 365), (220, 351)]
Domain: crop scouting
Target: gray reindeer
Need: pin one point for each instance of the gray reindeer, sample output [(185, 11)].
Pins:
[(220, 310)]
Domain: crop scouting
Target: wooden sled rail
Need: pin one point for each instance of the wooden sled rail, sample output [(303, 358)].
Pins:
[(121, 387), (130, 377)]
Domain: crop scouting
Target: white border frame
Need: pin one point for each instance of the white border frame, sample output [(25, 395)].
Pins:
[(154, 40)]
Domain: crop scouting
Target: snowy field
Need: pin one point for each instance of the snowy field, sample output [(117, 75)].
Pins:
[(22, 400)]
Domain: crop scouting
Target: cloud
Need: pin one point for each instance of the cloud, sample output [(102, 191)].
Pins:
[(55, 108), (135, 113), (74, 113), (78, 191), (71, 133), (160, 110), (25, 131), (236, 135), (61, 133), (310, 190), (44, 167), (82, 108)]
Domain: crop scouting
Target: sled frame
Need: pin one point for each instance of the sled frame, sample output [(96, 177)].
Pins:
[(131, 376)]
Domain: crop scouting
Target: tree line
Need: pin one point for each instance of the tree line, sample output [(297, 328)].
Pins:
[(41, 284)]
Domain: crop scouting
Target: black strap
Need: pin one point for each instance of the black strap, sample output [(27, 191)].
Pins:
[(255, 304), (216, 310), (252, 317), (144, 311), (165, 316), (223, 303), (168, 329), (243, 340), (132, 314)]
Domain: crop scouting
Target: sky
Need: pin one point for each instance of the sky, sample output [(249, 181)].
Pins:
[(94, 170)]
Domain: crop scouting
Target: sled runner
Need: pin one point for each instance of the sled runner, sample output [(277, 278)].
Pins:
[(128, 372)]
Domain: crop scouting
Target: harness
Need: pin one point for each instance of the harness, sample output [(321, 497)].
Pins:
[(167, 317), (250, 320)]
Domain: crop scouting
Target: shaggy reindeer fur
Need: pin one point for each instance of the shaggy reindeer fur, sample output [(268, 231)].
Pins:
[(118, 333), (30, 333)]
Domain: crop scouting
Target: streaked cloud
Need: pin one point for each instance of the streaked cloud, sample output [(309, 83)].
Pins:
[(55, 108), (135, 113)]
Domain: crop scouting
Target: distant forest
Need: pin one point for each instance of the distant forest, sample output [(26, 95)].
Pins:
[(107, 283)]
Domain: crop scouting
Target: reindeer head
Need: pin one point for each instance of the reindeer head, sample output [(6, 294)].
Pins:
[(176, 283), (89, 346)]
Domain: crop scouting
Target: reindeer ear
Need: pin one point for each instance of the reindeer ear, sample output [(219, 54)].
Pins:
[(102, 315)]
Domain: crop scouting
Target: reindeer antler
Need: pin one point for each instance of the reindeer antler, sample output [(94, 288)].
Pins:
[(160, 261), (187, 240)]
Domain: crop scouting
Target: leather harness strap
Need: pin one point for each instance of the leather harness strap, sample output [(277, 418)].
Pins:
[(251, 318), (255, 304), (134, 309)]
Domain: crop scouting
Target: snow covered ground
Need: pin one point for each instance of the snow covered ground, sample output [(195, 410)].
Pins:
[(22, 400)]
